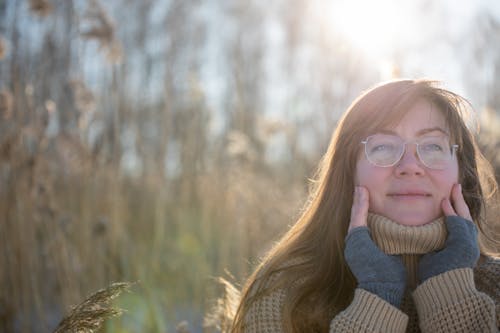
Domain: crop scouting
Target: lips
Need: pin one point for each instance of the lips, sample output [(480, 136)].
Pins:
[(409, 194)]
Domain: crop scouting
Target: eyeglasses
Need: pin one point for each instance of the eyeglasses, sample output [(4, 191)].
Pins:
[(385, 150)]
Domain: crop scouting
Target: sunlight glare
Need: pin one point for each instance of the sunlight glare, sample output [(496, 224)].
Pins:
[(372, 27)]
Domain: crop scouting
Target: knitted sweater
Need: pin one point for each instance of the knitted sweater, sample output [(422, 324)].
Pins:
[(461, 300)]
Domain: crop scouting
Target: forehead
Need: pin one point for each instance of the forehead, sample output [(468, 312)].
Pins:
[(420, 118)]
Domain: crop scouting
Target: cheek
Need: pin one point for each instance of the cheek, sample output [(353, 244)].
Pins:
[(375, 181), (359, 175), (445, 181), (369, 176)]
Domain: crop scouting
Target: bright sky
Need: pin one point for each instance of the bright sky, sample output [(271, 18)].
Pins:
[(378, 27), (419, 30)]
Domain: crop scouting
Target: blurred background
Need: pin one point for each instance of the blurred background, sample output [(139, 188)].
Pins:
[(171, 142)]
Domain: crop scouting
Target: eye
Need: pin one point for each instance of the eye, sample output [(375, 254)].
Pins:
[(383, 147), (433, 147)]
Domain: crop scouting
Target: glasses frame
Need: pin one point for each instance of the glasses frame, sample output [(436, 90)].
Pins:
[(454, 148)]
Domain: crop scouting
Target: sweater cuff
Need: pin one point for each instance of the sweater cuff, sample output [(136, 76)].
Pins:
[(444, 289), (375, 314)]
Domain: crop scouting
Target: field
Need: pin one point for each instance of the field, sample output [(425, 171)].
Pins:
[(118, 165)]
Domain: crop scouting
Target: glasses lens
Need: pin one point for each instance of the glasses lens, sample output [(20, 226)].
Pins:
[(383, 150), (435, 152)]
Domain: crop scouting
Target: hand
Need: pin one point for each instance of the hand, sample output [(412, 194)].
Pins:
[(461, 247), (459, 203), (381, 274)]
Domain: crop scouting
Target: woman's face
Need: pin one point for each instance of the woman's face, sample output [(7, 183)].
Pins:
[(409, 192)]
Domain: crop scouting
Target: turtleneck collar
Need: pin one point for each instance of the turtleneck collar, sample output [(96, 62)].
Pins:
[(394, 238)]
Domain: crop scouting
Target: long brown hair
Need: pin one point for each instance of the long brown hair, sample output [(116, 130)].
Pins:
[(310, 254)]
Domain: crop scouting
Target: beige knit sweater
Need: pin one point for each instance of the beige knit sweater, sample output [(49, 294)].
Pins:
[(461, 300)]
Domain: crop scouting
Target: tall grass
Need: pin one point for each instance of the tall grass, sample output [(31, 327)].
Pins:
[(76, 226)]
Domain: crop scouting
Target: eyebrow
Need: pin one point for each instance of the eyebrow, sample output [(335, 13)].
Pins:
[(421, 132)]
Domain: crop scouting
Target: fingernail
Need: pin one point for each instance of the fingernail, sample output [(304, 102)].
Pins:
[(460, 187)]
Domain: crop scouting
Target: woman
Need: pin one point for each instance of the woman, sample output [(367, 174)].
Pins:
[(400, 255)]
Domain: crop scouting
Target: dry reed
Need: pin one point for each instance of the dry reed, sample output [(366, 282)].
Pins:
[(88, 316), (102, 28), (221, 315), (5, 104), (3, 47), (41, 7)]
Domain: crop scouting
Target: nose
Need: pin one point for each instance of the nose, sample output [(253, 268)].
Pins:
[(410, 163)]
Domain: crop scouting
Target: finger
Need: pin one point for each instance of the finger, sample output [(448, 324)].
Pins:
[(459, 202), (447, 208), (359, 210)]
